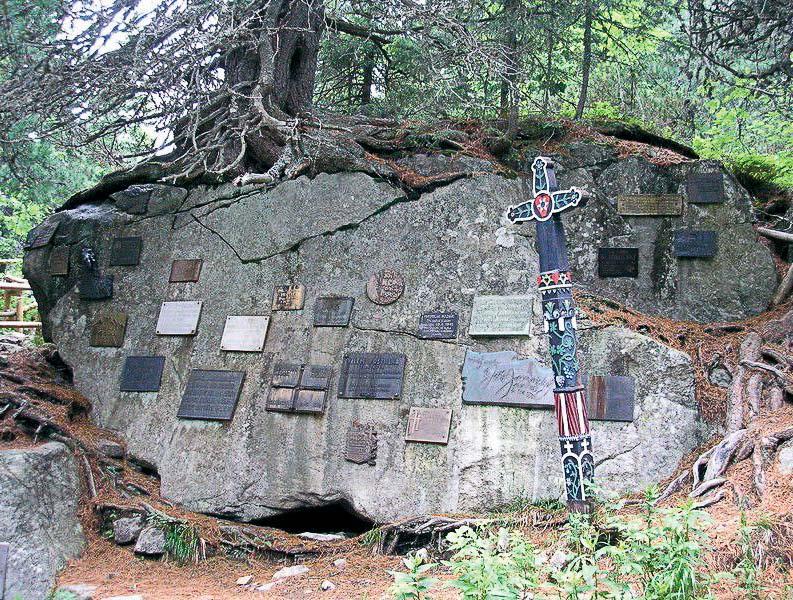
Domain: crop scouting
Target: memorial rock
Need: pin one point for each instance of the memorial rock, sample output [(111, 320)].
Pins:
[(330, 233)]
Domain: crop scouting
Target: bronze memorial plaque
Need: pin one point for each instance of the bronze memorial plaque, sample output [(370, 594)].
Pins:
[(650, 205), (610, 397), (299, 388), (244, 333), (125, 251), (430, 425), (179, 318), (142, 374), (501, 316), (109, 329), (211, 395), (310, 401), (281, 399), (695, 243), (705, 188), (59, 260), (361, 444), (618, 262), (185, 270), (502, 379), (385, 287), (41, 235), (438, 325), (286, 374), (316, 377), (289, 297), (372, 375), (333, 311)]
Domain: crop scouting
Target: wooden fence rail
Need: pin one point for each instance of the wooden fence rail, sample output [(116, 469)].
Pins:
[(14, 318)]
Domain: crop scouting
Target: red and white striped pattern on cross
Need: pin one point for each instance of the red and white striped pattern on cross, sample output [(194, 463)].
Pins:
[(571, 413)]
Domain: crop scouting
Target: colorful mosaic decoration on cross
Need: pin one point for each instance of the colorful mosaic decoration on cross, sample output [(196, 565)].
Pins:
[(555, 284)]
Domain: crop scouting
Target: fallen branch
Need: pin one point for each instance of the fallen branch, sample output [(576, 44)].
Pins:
[(775, 235)]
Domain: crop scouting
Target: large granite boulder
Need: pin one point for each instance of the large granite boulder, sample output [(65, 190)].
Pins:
[(39, 499), (330, 234)]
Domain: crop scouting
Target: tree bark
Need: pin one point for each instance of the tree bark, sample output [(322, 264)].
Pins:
[(586, 62)]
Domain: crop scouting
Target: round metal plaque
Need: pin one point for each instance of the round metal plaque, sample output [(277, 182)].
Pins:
[(385, 287)]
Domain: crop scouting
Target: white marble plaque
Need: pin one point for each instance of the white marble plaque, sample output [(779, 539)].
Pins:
[(179, 318), (501, 315), (244, 333)]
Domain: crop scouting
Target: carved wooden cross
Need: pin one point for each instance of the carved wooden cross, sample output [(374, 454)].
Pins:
[(555, 283)]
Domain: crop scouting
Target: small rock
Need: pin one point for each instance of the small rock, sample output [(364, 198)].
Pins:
[(340, 563), (327, 586), (110, 448), (127, 530), (245, 580), (321, 537), (78, 591), (720, 376), (290, 571), (786, 458), (267, 586), (559, 559), (151, 542)]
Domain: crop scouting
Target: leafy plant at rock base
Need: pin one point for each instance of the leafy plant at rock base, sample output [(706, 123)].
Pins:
[(491, 564), (182, 542), (414, 584), (747, 571)]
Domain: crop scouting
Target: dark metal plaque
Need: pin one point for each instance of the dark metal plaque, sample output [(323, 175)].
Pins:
[(310, 401), (286, 374), (289, 297), (316, 377), (618, 262), (385, 287), (372, 375), (125, 252), (694, 243), (94, 286), (142, 374), (244, 333), (41, 235), (361, 444), (430, 425), (650, 205), (179, 318), (705, 188), (109, 329), (609, 397), (438, 325), (134, 200), (187, 270), (502, 379), (281, 399), (333, 311), (211, 395), (59, 260), (4, 551)]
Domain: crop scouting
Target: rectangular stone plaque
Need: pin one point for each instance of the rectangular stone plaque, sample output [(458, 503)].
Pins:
[(179, 318), (316, 377), (41, 235), (430, 425), (501, 315), (142, 374), (650, 205), (502, 379), (186, 270), (289, 297), (609, 397), (361, 444), (109, 329), (94, 286), (618, 262), (333, 311), (244, 333), (211, 395), (286, 374), (4, 551), (281, 399), (694, 243), (372, 375), (310, 401), (705, 188), (125, 251), (59, 260), (438, 325)]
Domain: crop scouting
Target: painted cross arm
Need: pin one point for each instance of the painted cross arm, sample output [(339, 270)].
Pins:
[(545, 204)]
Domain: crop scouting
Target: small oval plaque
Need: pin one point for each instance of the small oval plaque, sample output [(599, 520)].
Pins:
[(385, 287)]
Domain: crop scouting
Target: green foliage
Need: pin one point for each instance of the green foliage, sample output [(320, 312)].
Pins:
[(491, 564), (182, 540), (59, 595), (371, 538), (416, 582), (747, 571)]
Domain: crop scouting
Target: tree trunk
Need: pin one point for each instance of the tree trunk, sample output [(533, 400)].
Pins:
[(509, 82), (586, 62), (368, 78)]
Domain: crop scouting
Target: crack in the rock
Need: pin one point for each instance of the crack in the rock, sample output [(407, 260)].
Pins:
[(616, 454), (224, 240), (410, 334)]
